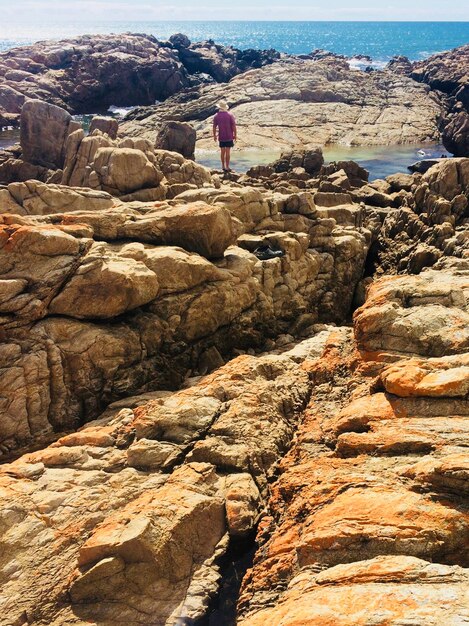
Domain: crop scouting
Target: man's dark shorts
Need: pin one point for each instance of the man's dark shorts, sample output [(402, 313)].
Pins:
[(226, 144)]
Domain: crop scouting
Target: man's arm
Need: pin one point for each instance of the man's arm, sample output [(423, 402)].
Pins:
[(214, 130), (233, 128)]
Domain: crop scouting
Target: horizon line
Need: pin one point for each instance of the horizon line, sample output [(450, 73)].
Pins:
[(204, 21)]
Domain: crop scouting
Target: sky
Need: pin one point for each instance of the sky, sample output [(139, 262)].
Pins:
[(87, 11)]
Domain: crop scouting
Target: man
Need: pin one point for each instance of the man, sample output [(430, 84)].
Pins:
[(225, 123)]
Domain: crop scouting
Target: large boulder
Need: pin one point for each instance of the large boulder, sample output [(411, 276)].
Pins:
[(36, 198), (123, 170), (221, 62), (446, 73), (44, 130), (456, 134), (177, 137)]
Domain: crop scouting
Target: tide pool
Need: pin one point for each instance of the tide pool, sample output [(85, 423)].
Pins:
[(380, 161)]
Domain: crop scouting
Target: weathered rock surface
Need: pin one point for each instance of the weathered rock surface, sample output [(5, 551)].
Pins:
[(44, 131), (177, 137), (106, 298), (431, 221), (101, 519), (219, 62), (92, 72), (368, 522), (72, 73), (305, 102), (132, 169), (447, 73), (132, 272)]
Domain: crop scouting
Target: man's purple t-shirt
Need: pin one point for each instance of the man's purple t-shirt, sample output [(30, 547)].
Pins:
[(226, 124)]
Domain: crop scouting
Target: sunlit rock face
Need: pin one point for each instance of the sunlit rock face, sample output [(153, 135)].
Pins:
[(104, 296), (306, 102), (189, 361)]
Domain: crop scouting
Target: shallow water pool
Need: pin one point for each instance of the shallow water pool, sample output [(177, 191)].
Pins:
[(380, 161)]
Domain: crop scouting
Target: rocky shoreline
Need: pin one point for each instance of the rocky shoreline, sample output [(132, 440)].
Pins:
[(310, 99), (192, 362)]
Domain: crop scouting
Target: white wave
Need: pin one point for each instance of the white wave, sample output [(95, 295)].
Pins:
[(120, 111), (361, 64)]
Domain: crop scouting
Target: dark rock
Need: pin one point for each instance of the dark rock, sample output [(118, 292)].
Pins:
[(311, 160), (95, 72), (400, 65), (423, 166), (356, 174), (447, 73), (179, 40), (177, 137), (456, 134), (260, 171)]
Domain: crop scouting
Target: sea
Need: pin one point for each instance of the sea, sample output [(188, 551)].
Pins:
[(379, 40)]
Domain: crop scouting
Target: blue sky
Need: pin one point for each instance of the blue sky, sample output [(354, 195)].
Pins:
[(90, 10)]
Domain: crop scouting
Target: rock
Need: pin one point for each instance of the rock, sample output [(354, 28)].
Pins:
[(44, 130), (100, 291), (177, 137), (455, 134), (448, 376), (137, 70), (154, 455), (105, 286), (178, 170), (36, 198), (107, 125), (401, 181), (356, 175), (449, 474), (425, 315), (310, 160), (271, 103), (165, 531), (179, 40), (123, 170), (353, 594), (260, 171), (345, 453), (352, 481), (129, 169), (94, 72), (446, 72), (423, 166), (400, 65), (331, 199), (222, 62), (242, 504)]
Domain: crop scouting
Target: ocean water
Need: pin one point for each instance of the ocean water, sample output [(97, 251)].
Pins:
[(380, 40)]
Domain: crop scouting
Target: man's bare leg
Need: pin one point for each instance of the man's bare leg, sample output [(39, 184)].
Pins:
[(223, 158), (227, 158)]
